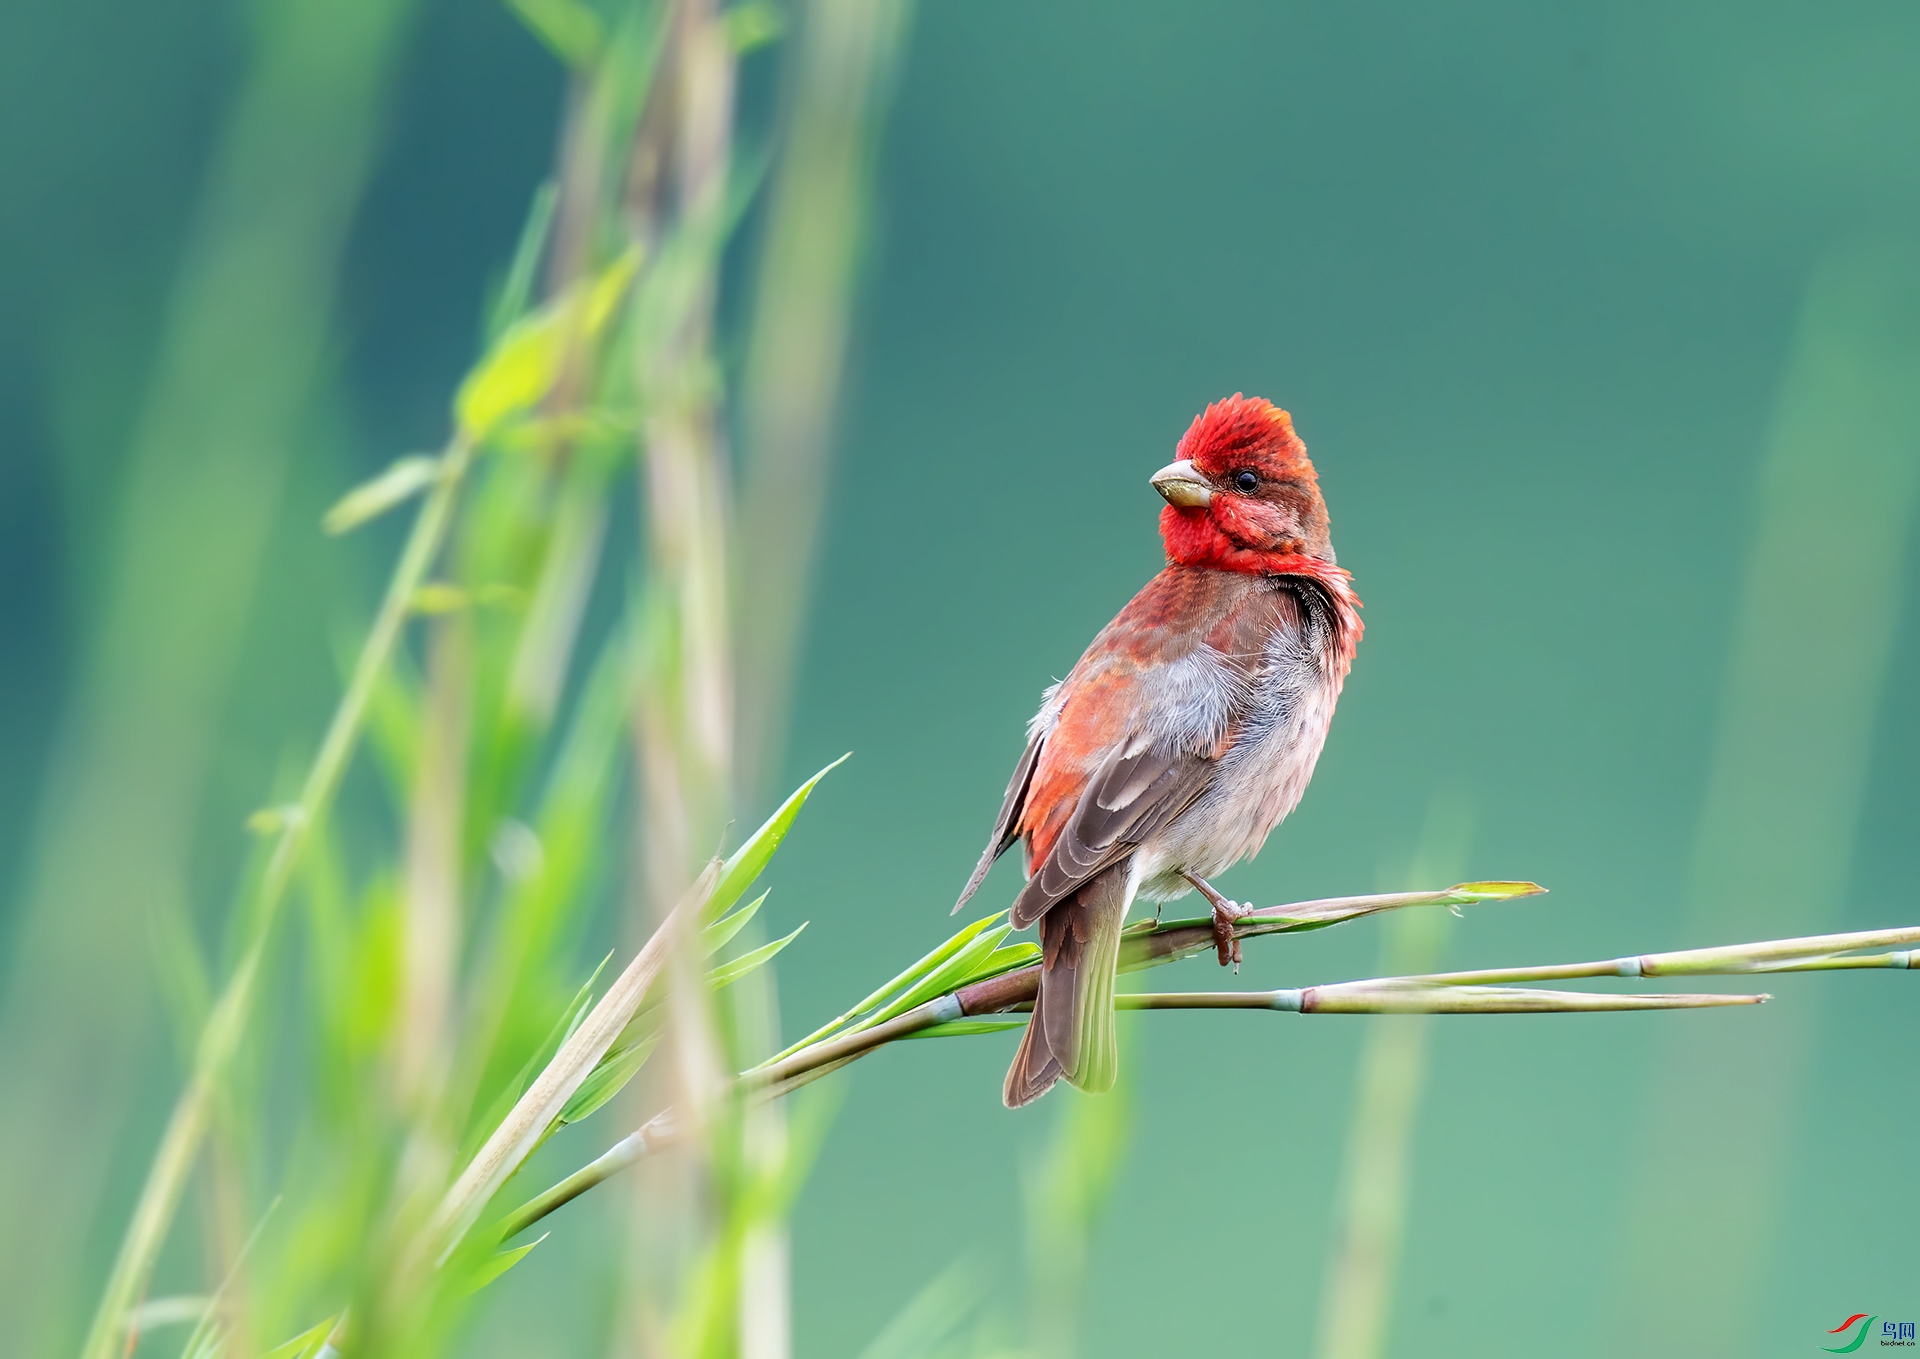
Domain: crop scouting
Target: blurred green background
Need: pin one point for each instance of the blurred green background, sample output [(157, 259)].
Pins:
[(1603, 326)]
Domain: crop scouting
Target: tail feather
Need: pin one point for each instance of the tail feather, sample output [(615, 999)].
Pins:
[(1071, 1034)]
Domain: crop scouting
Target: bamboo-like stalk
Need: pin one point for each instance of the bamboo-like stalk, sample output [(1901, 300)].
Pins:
[(220, 1038), (517, 1134), (1459, 993)]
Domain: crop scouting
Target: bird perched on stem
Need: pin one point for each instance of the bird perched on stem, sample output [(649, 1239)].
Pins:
[(1186, 732)]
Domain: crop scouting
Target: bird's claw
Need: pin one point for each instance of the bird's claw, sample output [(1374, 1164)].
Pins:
[(1226, 914), (1226, 943)]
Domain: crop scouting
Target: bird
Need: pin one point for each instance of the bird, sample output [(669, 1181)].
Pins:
[(1187, 731)]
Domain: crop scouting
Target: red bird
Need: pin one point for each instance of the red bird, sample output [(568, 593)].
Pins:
[(1186, 732)]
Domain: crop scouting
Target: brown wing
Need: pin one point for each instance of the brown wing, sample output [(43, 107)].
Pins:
[(1143, 728), (1133, 795), (1006, 829)]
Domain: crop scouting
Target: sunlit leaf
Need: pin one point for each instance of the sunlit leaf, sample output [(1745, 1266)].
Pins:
[(720, 933), (737, 874), (730, 972), (500, 1262), (1494, 891), (944, 978), (437, 597), (573, 32), (524, 363), (306, 1344), (402, 480), (913, 973)]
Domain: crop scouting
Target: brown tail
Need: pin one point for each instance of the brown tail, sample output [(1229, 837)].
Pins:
[(1071, 1033)]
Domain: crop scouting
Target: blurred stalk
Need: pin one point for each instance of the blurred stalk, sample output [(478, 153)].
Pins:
[(234, 377), (430, 945), (816, 231), (1356, 1309), (1065, 1192), (676, 209), (1813, 629)]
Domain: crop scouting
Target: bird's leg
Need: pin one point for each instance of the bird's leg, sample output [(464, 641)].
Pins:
[(1225, 914)]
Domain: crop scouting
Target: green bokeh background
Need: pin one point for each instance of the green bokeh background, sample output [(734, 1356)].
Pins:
[(1529, 278)]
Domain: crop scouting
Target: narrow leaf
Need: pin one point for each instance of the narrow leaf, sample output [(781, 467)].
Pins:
[(737, 874), (913, 973), (570, 30), (402, 480), (730, 972), (944, 978), (619, 1066), (719, 934), (524, 363), (957, 1028), (500, 1262)]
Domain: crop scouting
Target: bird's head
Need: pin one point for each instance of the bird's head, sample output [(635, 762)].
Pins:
[(1242, 494)]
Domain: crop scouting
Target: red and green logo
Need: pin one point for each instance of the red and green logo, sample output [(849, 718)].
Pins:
[(1866, 1324)]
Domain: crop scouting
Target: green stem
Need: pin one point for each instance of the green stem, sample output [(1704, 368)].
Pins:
[(228, 1022)]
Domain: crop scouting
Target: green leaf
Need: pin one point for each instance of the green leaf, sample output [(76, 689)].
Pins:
[(306, 1344), (500, 1262), (956, 1028), (913, 973), (403, 479), (513, 296), (608, 1079), (954, 972), (573, 32), (717, 935), (730, 972), (753, 25), (1007, 958), (524, 363), (737, 874), (1494, 891), (509, 1093)]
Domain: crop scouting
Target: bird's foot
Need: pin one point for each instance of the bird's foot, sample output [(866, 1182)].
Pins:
[(1226, 914)]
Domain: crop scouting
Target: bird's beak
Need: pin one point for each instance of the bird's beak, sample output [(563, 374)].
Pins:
[(1183, 485)]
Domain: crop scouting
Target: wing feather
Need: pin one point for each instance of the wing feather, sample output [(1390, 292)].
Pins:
[(1006, 829)]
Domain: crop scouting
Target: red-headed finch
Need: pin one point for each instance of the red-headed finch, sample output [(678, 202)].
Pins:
[(1186, 732)]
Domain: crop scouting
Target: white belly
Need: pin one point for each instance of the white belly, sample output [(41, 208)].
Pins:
[(1260, 780)]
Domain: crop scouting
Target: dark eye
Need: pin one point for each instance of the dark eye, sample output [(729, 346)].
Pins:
[(1247, 482)]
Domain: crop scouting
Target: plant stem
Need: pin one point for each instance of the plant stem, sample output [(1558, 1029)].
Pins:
[(180, 1144)]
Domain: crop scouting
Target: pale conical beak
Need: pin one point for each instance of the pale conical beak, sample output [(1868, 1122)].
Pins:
[(1183, 485)]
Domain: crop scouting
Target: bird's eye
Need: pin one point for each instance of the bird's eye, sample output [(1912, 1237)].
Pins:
[(1247, 482)]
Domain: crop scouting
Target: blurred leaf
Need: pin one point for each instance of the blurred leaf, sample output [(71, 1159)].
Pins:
[(524, 363), (930, 1323), (608, 1079), (273, 820), (719, 934), (561, 1030), (753, 25), (437, 597), (405, 478), (515, 293), (573, 32), (737, 874), (305, 1345), (730, 972), (500, 1262)]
